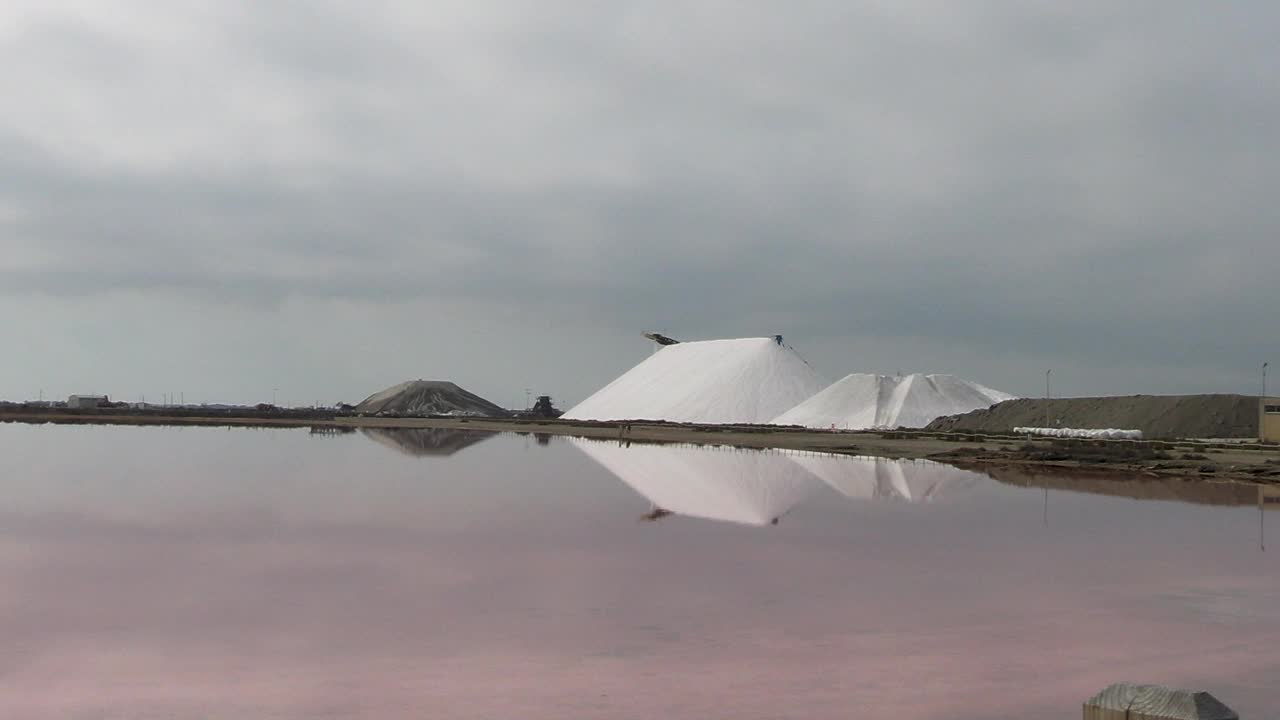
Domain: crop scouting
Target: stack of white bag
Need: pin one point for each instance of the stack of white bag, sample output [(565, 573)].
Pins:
[(1104, 434)]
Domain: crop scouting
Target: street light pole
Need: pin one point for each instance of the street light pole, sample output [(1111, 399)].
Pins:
[(1046, 396)]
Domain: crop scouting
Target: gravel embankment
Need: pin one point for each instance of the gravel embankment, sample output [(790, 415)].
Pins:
[(1157, 416)]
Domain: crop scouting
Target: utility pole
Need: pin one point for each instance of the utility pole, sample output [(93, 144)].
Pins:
[(527, 395), (1046, 396), (1262, 406)]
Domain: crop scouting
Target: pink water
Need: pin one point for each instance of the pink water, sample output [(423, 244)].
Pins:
[(271, 574)]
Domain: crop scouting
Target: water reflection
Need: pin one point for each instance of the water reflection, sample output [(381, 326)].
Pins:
[(207, 573), (1177, 489), (426, 442), (873, 478), (751, 488), (754, 487)]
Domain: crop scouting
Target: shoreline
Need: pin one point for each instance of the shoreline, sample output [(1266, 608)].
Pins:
[(1188, 459)]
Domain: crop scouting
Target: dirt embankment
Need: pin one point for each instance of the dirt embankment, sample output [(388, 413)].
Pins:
[(1157, 416)]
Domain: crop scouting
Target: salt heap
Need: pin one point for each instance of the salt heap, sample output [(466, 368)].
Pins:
[(863, 401), (742, 381), (749, 488)]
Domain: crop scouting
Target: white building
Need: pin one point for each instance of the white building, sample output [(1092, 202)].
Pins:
[(86, 402)]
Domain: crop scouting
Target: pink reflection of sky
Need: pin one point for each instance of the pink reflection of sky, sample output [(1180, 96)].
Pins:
[(956, 610)]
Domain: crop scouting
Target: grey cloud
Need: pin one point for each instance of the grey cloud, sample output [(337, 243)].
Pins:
[(1088, 180)]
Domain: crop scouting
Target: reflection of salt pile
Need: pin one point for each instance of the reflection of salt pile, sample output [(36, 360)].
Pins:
[(756, 488), (862, 401), (426, 442), (747, 380), (872, 477), (752, 488)]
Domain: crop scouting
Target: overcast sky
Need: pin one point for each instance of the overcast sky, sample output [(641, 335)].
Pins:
[(224, 198)]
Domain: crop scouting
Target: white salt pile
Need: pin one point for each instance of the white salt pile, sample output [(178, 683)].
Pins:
[(751, 488), (866, 478), (1102, 434), (863, 401), (746, 381)]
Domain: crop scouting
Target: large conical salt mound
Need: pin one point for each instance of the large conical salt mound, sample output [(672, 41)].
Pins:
[(743, 381), (862, 402)]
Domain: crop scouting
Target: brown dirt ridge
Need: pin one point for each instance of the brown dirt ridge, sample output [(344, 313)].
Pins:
[(1157, 416)]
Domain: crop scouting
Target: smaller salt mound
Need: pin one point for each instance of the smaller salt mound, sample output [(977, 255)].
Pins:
[(428, 397), (862, 401), (747, 381), (1103, 434)]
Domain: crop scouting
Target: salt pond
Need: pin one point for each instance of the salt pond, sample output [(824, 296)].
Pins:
[(201, 573)]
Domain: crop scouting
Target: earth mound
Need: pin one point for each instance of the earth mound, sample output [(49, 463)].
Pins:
[(418, 398), (1157, 416)]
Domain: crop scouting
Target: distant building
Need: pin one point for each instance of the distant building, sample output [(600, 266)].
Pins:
[(86, 402), (1269, 419), (544, 408)]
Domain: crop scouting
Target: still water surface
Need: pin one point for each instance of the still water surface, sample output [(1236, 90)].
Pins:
[(200, 573)]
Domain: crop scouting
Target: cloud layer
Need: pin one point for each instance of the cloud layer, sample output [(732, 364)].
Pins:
[(992, 189)]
